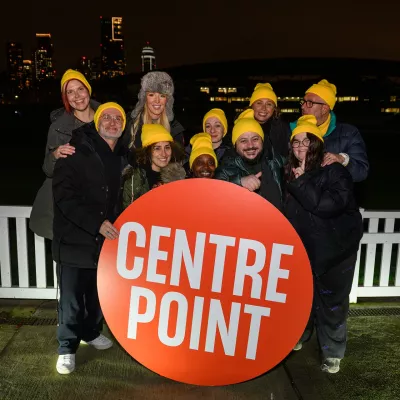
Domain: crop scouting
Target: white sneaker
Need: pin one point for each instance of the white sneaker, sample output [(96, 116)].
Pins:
[(331, 365), (101, 343), (298, 346), (65, 363)]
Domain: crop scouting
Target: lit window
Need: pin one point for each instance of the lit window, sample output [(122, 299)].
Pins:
[(212, 98), (221, 99), (390, 110), (290, 110), (222, 90), (392, 99), (205, 90), (232, 90)]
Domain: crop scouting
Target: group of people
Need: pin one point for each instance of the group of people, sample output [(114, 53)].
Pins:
[(98, 161)]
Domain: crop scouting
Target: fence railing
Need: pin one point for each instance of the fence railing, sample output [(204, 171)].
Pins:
[(28, 272)]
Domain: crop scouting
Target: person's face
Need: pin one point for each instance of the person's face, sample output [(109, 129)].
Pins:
[(215, 129), (155, 104), (110, 124), (77, 95), (249, 145), (314, 105), (161, 153), (204, 166), (263, 110), (300, 145)]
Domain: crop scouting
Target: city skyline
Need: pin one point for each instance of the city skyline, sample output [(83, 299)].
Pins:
[(185, 34)]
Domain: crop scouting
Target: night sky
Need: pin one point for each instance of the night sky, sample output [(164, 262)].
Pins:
[(184, 33)]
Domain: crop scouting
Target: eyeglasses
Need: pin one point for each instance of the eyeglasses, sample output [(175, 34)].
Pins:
[(305, 142), (108, 118), (310, 103)]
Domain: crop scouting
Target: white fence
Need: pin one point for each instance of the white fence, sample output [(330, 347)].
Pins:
[(378, 262)]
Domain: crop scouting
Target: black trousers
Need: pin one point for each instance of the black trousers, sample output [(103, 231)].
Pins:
[(79, 312), (330, 309)]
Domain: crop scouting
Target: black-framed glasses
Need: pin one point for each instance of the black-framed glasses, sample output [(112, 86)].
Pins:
[(310, 103), (305, 142)]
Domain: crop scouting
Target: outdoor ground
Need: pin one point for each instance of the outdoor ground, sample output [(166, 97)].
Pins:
[(370, 371)]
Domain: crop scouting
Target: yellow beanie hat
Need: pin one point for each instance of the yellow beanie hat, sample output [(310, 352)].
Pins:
[(105, 106), (73, 74), (154, 133), (263, 91), (201, 144), (307, 124), (246, 123), (217, 113), (325, 90)]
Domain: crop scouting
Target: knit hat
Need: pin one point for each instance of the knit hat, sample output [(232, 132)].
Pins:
[(263, 91), (157, 82), (73, 74), (106, 106), (154, 133), (325, 90), (246, 123), (307, 124), (201, 144), (216, 113)]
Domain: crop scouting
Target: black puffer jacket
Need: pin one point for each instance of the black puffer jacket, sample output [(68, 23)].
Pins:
[(85, 196), (321, 207), (276, 134)]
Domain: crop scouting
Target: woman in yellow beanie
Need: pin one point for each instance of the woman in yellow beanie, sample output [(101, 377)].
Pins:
[(203, 161), (144, 172), (264, 103), (78, 110), (320, 205)]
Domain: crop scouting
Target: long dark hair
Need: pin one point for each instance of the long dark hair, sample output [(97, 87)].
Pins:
[(143, 154), (314, 157)]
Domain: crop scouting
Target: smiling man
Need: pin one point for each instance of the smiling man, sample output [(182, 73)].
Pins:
[(249, 166), (343, 142), (86, 188)]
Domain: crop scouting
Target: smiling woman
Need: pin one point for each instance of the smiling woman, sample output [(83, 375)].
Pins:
[(78, 110), (159, 151), (155, 106)]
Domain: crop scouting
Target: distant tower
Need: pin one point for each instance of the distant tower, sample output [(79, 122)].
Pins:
[(112, 47), (44, 57), (84, 66), (15, 63), (28, 73), (148, 58)]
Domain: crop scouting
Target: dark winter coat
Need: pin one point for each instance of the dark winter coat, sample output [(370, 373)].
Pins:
[(87, 191), (233, 168), (60, 133), (345, 138), (320, 205), (277, 135)]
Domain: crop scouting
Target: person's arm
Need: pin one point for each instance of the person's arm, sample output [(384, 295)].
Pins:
[(325, 199), (56, 147), (228, 174), (358, 165), (69, 197)]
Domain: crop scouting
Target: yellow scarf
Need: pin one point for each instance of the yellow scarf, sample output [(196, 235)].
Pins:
[(325, 125)]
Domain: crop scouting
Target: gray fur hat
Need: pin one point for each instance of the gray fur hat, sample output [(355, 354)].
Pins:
[(160, 82)]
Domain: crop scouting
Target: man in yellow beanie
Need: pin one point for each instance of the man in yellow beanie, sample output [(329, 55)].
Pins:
[(249, 166), (343, 142), (264, 103), (86, 189)]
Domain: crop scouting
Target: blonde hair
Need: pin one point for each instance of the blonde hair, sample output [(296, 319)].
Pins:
[(163, 120)]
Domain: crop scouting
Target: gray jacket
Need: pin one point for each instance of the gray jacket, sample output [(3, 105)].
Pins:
[(60, 132)]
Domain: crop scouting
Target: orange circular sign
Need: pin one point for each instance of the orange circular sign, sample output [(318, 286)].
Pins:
[(207, 284)]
